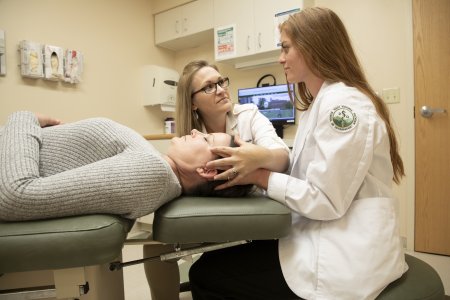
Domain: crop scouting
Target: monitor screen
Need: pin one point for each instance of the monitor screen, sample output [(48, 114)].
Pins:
[(272, 101)]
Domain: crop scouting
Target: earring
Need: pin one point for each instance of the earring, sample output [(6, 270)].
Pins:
[(195, 114)]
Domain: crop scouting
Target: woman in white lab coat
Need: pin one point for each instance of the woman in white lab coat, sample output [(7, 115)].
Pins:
[(204, 104), (344, 242)]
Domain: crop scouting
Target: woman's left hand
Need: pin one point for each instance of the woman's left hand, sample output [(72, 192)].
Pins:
[(46, 121), (238, 162)]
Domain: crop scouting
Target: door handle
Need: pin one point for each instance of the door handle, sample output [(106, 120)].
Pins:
[(427, 112)]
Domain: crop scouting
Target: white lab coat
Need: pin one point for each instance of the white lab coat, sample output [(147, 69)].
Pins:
[(252, 126), (344, 241)]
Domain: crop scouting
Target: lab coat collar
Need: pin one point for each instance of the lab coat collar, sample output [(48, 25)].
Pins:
[(230, 124), (325, 86), (305, 124)]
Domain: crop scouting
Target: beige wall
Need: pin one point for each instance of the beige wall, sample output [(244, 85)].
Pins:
[(116, 37)]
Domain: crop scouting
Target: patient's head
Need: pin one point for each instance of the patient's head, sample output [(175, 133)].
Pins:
[(190, 154)]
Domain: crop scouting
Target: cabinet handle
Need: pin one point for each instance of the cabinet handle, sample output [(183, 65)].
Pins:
[(248, 43), (185, 24), (259, 40), (177, 26)]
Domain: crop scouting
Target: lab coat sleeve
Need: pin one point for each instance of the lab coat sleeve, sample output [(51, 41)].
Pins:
[(333, 164), (255, 127)]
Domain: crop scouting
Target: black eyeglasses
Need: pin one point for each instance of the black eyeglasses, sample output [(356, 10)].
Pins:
[(212, 87)]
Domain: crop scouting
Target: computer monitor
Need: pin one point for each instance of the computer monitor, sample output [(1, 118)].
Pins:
[(273, 102)]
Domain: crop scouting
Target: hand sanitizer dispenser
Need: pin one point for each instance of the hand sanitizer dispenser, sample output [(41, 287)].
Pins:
[(159, 86)]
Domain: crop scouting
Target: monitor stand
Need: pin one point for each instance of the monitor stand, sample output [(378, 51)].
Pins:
[(279, 129)]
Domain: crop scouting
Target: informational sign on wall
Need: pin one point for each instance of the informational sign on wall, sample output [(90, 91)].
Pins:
[(225, 41)]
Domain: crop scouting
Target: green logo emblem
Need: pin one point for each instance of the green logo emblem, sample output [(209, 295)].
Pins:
[(343, 119)]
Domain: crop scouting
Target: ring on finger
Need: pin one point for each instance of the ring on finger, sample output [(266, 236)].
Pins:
[(234, 172)]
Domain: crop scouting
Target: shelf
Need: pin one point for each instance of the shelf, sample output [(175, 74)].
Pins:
[(161, 136)]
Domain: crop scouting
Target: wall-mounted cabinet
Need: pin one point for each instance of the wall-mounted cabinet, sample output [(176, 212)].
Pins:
[(185, 26), (246, 33)]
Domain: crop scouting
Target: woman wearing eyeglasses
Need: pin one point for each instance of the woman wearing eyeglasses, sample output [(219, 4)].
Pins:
[(204, 104)]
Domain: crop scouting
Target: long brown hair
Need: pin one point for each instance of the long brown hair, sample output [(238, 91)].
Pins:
[(186, 118), (322, 39)]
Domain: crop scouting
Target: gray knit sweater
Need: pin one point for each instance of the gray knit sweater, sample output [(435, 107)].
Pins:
[(86, 167)]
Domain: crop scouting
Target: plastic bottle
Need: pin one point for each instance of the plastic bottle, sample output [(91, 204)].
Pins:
[(169, 126)]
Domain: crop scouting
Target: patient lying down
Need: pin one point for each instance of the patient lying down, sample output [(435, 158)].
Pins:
[(98, 166)]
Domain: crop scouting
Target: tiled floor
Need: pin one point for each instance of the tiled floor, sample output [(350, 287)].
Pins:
[(136, 287)]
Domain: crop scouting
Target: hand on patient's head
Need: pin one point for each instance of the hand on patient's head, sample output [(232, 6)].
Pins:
[(237, 141), (191, 153), (240, 158), (239, 163), (46, 121)]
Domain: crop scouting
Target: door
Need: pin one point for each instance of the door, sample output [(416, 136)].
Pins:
[(431, 27)]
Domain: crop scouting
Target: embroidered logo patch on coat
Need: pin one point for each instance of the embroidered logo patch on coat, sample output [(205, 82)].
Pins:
[(343, 119)]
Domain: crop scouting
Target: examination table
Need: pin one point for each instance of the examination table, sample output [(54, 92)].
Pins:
[(69, 245)]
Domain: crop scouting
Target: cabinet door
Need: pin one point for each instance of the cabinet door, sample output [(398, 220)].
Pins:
[(265, 26), (185, 26), (196, 17), (167, 25), (240, 14)]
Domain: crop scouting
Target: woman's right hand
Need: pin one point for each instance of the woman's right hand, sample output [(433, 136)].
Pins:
[(238, 161), (259, 177), (46, 121)]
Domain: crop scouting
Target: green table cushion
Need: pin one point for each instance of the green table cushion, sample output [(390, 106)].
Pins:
[(61, 243), (211, 219), (421, 281)]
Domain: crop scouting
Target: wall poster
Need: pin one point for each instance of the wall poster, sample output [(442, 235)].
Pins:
[(225, 41)]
